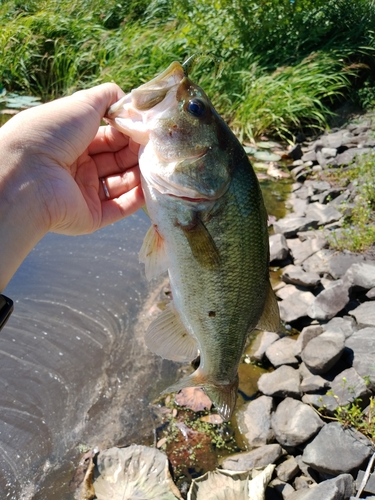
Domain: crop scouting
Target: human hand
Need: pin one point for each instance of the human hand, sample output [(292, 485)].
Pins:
[(67, 154), (52, 160)]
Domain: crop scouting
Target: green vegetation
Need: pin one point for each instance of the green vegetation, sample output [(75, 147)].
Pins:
[(358, 232), (284, 64)]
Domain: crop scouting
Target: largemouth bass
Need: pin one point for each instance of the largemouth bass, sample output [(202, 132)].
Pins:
[(209, 231)]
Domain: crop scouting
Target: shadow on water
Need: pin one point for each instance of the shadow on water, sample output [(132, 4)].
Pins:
[(73, 366)]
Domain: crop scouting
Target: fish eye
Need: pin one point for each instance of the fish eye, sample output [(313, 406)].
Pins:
[(196, 107)]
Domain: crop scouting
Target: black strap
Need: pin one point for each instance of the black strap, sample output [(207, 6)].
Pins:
[(6, 308)]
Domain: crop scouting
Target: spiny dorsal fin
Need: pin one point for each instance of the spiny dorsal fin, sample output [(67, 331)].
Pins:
[(167, 337), (152, 254), (270, 319)]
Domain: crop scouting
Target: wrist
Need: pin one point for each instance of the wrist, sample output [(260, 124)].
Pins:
[(22, 221)]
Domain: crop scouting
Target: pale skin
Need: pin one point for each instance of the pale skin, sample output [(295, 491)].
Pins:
[(52, 160)]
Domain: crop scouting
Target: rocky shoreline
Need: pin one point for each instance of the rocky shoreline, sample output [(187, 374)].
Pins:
[(331, 296)]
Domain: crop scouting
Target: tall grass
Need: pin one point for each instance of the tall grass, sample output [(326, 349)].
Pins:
[(283, 64)]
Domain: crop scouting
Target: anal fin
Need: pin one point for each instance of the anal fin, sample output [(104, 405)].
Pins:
[(270, 319), (152, 253), (167, 337)]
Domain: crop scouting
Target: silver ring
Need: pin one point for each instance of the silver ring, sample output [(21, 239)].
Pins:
[(105, 188)]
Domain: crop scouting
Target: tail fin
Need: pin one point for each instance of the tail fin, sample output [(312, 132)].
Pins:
[(223, 396)]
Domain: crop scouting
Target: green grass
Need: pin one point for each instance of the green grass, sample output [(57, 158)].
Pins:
[(283, 65), (358, 232)]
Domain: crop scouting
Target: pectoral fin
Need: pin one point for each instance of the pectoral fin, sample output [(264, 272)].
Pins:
[(270, 319), (152, 254), (167, 337), (202, 244)]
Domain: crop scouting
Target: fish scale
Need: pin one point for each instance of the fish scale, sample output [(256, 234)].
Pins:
[(209, 231)]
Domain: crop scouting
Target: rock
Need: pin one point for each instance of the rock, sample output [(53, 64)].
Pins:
[(336, 450), (282, 382), (287, 291), (348, 156), (309, 156), (261, 343), (260, 457), (297, 205), (294, 422), (324, 214), (278, 247), (296, 275), (345, 388), (338, 488), (330, 301), (314, 383), (339, 263), (285, 489), (254, 421), (322, 352), (362, 275), (361, 349), (340, 325), (370, 484), (364, 314), (287, 470), (371, 294), (282, 352), (329, 152), (318, 262), (292, 224), (307, 333), (302, 250), (296, 306)]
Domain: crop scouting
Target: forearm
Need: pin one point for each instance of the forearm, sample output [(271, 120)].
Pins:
[(22, 222)]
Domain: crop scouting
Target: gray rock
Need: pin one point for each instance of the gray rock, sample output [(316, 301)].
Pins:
[(302, 250), (370, 484), (349, 385), (278, 247), (341, 325), (287, 470), (294, 422), (261, 343), (347, 157), (364, 314), (329, 152), (330, 301), (254, 421), (281, 487), (301, 482), (282, 382), (297, 205), (362, 275), (260, 457), (336, 450), (324, 214), (309, 156), (319, 262), (338, 200), (371, 294), (333, 140), (320, 401), (320, 186), (304, 192), (296, 275), (322, 352), (340, 262), (314, 383), (307, 333), (282, 352), (338, 488), (287, 291), (292, 224), (296, 306), (361, 350)]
